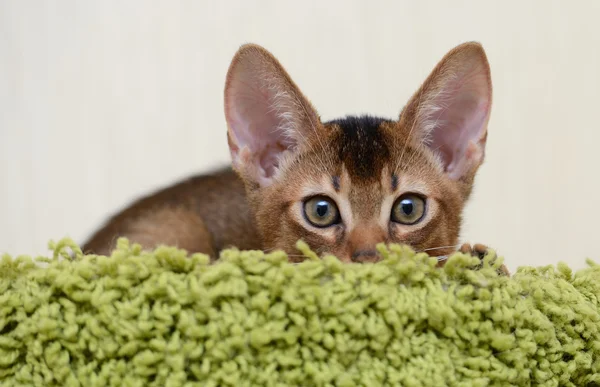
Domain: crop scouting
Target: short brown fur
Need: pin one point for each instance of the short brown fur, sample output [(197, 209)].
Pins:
[(201, 214)]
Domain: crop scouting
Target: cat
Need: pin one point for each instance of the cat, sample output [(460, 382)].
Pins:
[(342, 186)]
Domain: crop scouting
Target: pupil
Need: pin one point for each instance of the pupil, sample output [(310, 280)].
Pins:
[(322, 208), (407, 206)]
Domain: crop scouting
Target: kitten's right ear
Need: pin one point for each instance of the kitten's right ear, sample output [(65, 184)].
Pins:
[(267, 115), (450, 112)]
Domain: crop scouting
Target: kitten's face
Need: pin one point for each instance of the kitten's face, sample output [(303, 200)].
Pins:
[(360, 185), (344, 186)]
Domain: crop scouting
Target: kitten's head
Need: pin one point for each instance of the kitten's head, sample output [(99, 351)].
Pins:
[(345, 185)]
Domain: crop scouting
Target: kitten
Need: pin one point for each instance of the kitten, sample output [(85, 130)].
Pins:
[(342, 186)]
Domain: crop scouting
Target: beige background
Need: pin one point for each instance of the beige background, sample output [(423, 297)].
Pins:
[(102, 101)]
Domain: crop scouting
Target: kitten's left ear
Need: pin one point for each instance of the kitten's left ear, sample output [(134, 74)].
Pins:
[(450, 111)]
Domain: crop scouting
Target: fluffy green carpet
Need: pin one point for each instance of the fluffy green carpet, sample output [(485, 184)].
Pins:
[(164, 319)]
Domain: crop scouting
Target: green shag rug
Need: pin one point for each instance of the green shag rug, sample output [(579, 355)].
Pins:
[(254, 319)]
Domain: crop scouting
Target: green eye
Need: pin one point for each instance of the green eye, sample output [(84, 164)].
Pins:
[(321, 211), (408, 209)]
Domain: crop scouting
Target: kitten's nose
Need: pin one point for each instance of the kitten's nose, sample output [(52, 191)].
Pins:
[(365, 256), (362, 242)]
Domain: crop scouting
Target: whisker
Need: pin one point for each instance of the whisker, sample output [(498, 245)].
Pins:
[(410, 161), (418, 115), (439, 257), (314, 128), (418, 251), (411, 130), (437, 248), (290, 130)]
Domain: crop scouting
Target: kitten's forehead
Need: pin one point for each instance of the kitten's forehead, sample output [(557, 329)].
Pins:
[(361, 145)]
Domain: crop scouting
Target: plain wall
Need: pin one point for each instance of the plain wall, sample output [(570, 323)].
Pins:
[(101, 102)]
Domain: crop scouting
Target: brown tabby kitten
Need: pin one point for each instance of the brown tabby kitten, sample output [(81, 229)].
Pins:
[(342, 186)]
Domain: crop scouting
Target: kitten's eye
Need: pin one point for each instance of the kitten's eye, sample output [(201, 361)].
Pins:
[(321, 211), (408, 209)]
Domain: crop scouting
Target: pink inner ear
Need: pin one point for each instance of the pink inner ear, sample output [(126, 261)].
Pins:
[(462, 123), (458, 126), (255, 122)]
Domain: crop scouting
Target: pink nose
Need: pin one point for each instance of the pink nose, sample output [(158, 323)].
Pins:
[(362, 241)]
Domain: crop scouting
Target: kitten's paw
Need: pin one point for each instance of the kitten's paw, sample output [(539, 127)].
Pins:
[(477, 250), (480, 251)]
